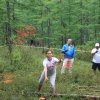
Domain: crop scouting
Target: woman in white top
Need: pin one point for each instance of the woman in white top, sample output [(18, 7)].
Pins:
[(49, 65), (96, 58)]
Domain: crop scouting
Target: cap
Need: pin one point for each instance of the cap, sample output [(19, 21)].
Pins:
[(97, 45)]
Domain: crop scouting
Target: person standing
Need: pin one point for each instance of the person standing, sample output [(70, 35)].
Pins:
[(69, 54), (49, 65), (96, 58)]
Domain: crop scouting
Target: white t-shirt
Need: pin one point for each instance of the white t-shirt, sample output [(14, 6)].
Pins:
[(51, 65), (96, 57)]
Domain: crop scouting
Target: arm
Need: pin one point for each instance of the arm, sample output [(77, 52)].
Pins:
[(64, 49), (93, 52), (74, 53), (58, 60), (45, 71)]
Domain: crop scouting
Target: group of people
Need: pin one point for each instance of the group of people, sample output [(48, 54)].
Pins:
[(49, 63)]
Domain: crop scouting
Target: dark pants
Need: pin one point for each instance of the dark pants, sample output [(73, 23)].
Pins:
[(95, 66)]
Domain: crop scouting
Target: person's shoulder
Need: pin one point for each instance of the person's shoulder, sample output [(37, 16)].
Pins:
[(55, 58), (65, 45), (73, 46), (45, 61), (93, 50)]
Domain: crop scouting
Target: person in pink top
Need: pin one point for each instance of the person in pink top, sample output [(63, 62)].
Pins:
[(49, 64)]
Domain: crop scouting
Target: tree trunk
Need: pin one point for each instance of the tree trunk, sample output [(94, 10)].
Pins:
[(8, 28), (13, 16), (63, 25), (81, 22), (49, 30), (48, 26), (87, 29), (95, 31), (69, 9)]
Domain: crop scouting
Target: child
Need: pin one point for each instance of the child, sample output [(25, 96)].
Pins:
[(49, 65)]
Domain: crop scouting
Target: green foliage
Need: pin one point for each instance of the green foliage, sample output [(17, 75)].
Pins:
[(72, 19), (16, 55), (27, 67)]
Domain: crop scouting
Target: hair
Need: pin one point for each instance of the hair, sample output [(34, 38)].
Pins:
[(47, 51), (70, 39)]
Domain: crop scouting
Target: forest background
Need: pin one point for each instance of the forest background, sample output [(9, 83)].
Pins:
[(52, 22)]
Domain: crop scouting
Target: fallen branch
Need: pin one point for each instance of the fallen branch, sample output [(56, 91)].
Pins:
[(68, 95), (89, 87)]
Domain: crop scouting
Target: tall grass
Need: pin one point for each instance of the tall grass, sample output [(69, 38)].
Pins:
[(25, 63)]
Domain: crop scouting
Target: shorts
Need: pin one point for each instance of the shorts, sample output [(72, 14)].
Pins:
[(95, 66)]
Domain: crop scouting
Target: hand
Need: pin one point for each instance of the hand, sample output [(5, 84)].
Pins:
[(96, 51), (67, 49), (46, 78), (60, 60)]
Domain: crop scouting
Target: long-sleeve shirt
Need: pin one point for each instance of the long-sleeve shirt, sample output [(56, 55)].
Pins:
[(68, 51)]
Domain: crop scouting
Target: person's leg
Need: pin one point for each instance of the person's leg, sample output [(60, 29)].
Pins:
[(63, 67), (94, 67), (39, 87), (41, 81), (52, 83), (71, 67), (99, 66)]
